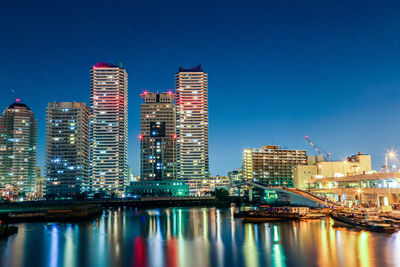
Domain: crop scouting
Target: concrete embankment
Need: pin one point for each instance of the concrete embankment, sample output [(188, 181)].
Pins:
[(42, 211), (71, 210)]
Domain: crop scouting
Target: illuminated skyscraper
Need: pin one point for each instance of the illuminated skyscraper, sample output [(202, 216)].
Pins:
[(67, 149), (158, 137), (18, 133), (192, 123), (108, 127)]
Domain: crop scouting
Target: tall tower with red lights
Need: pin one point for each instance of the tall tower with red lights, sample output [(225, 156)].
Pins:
[(108, 128), (192, 123), (158, 136)]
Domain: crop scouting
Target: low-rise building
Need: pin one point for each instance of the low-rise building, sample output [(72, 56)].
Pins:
[(236, 176), (219, 182), (166, 188), (318, 168)]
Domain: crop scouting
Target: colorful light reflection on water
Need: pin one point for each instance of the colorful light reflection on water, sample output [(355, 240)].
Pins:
[(194, 237)]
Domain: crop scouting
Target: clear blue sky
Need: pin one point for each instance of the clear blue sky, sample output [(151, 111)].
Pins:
[(278, 70)]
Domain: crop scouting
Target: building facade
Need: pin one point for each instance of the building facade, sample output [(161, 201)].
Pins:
[(318, 168), (236, 176), (67, 149), (192, 123), (219, 182), (108, 128), (18, 137), (166, 188), (40, 185), (271, 165), (158, 137)]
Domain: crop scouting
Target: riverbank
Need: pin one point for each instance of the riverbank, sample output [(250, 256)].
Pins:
[(71, 210), (30, 212)]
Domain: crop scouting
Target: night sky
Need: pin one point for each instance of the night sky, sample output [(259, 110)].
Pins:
[(278, 70)]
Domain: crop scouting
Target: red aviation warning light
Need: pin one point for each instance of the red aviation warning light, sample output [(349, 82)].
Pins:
[(144, 94), (141, 137), (174, 136), (17, 100)]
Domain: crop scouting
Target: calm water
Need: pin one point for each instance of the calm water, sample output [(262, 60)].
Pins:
[(194, 237)]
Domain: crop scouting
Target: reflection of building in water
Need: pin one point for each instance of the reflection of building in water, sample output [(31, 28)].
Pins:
[(250, 250)]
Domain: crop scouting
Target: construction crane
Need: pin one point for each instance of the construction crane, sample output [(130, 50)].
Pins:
[(319, 151)]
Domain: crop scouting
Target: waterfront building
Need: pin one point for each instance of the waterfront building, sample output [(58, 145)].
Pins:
[(192, 123), (132, 177), (317, 167), (196, 186), (18, 133), (40, 186), (201, 187), (165, 188), (236, 176), (157, 137), (272, 165), (368, 189), (219, 182), (108, 128), (67, 149)]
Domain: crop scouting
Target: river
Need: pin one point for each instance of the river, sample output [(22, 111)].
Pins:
[(194, 237)]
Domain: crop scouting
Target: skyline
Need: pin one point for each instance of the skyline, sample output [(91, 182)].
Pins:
[(249, 61)]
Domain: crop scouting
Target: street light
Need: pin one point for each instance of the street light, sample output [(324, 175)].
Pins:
[(390, 155), (359, 196)]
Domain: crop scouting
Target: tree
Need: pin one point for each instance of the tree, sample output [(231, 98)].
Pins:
[(222, 195)]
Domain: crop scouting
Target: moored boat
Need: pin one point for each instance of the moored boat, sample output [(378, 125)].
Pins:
[(360, 222), (268, 217), (313, 215)]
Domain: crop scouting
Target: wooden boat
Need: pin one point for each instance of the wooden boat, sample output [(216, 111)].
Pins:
[(260, 217), (360, 222), (313, 215)]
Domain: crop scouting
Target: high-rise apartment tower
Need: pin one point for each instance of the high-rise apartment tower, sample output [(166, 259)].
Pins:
[(192, 123), (158, 136), (108, 127), (18, 133), (67, 149)]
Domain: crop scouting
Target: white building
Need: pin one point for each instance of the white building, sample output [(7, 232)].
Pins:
[(192, 123), (108, 127)]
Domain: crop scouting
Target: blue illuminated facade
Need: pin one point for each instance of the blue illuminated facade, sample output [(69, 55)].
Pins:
[(67, 150)]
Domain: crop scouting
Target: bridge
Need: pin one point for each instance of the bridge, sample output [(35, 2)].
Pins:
[(292, 195)]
